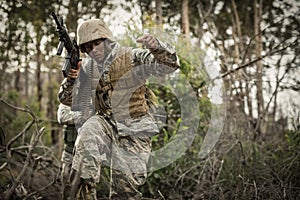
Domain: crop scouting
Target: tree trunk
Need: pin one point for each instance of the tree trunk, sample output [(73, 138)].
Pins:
[(72, 16), (27, 81), (185, 18), (259, 68), (17, 80), (38, 74), (50, 109), (158, 11)]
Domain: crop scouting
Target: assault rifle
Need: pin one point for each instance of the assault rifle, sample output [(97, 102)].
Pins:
[(71, 46)]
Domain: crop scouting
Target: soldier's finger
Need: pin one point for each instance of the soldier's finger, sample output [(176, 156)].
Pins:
[(153, 43), (141, 39), (73, 71)]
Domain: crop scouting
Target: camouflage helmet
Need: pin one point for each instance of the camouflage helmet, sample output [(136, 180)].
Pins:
[(93, 29)]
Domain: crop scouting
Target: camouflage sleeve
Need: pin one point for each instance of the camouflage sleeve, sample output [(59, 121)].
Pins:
[(156, 59), (65, 93), (65, 115)]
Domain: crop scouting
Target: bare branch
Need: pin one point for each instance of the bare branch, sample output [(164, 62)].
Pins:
[(18, 108), (43, 188), (27, 127), (35, 139), (255, 60)]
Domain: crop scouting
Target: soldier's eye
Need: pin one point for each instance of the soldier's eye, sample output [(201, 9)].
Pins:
[(88, 47), (97, 43)]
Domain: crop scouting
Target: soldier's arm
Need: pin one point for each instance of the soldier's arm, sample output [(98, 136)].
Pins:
[(66, 87), (65, 115), (65, 92), (157, 52)]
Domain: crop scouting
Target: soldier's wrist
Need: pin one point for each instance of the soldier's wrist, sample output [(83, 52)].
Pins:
[(67, 84)]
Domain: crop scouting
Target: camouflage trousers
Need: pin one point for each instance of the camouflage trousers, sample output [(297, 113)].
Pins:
[(99, 142), (70, 134), (66, 166)]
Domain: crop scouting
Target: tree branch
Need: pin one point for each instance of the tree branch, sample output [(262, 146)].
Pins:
[(35, 139), (255, 60)]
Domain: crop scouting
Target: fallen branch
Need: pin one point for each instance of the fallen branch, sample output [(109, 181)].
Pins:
[(35, 139)]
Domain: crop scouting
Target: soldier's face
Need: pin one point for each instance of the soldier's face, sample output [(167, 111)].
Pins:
[(95, 49)]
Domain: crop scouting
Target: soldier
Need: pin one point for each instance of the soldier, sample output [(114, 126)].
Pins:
[(119, 133)]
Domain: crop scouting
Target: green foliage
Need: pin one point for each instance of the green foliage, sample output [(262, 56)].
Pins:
[(293, 136), (13, 121), (247, 170), (7, 115), (293, 140)]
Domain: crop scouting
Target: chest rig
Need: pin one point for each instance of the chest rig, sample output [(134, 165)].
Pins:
[(119, 91)]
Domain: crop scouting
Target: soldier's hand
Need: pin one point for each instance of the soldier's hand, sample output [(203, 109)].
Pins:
[(73, 74), (148, 41)]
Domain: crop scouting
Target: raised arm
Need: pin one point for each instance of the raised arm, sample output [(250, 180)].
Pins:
[(157, 52)]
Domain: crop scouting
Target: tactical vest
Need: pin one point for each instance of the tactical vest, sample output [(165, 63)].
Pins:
[(119, 91)]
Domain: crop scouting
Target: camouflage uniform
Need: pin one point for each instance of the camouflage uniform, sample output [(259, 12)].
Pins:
[(118, 135)]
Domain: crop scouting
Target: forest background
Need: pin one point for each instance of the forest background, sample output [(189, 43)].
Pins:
[(251, 47)]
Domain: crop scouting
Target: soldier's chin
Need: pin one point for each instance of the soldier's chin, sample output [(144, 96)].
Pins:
[(98, 58)]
